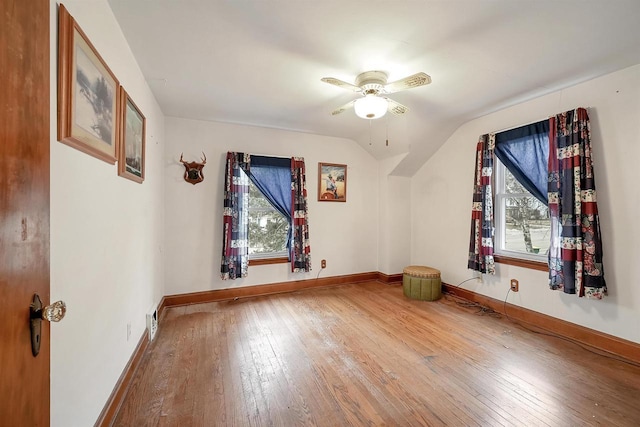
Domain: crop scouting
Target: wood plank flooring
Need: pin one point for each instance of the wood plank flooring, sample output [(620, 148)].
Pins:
[(365, 355)]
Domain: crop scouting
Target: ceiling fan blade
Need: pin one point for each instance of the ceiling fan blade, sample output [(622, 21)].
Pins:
[(343, 108), (340, 84), (396, 108), (419, 79)]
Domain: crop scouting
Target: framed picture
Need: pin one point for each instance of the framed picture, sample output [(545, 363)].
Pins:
[(132, 140), (332, 182), (88, 94)]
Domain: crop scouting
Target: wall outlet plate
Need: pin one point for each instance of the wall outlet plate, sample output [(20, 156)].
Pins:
[(323, 263), (514, 285)]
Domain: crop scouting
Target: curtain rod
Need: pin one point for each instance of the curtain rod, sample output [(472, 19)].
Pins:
[(534, 121), (270, 155)]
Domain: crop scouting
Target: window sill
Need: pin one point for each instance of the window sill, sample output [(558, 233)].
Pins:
[(525, 263), (266, 261)]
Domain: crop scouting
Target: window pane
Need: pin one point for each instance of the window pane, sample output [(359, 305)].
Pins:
[(527, 225), (268, 228), (512, 186)]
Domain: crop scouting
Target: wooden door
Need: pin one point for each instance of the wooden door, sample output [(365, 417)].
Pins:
[(24, 208)]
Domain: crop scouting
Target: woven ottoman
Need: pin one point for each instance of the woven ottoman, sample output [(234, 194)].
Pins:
[(422, 283)]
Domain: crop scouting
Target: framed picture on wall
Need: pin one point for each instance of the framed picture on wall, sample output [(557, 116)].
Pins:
[(132, 140), (332, 182), (88, 94)]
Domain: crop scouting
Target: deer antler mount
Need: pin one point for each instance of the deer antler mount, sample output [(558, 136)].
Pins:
[(193, 170)]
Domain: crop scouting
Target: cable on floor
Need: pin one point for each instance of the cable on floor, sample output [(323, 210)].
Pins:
[(464, 281), (480, 309), (549, 334)]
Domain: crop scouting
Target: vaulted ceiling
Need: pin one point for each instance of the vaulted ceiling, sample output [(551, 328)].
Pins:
[(260, 62)]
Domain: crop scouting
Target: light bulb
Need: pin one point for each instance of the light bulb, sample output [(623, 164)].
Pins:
[(371, 107)]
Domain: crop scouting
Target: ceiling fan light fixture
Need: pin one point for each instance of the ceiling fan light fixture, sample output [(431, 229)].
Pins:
[(371, 107)]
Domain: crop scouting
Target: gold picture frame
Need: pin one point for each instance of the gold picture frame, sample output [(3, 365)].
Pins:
[(88, 94), (131, 154), (332, 182)]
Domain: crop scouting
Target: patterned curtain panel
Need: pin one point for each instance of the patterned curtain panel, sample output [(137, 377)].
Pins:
[(300, 249), (481, 241), (235, 236), (575, 254)]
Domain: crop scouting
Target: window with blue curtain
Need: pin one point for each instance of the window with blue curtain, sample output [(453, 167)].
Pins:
[(282, 183), (545, 203), (272, 178)]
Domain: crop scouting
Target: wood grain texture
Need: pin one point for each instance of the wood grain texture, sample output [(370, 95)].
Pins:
[(598, 340), (519, 262), (390, 278), (268, 261), (366, 355), (268, 289), (24, 209)]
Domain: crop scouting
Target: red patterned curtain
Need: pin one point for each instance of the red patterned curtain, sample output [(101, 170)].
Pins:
[(235, 236), (575, 254), (300, 249), (481, 240)]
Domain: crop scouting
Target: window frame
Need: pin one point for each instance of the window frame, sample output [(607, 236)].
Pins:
[(502, 255)]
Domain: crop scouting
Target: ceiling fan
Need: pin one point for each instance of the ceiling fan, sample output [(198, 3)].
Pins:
[(373, 86)]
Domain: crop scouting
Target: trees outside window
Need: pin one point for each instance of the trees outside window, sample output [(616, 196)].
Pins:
[(521, 221), (268, 228)]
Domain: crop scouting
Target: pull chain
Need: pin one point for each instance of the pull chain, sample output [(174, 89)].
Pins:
[(370, 131), (387, 131)]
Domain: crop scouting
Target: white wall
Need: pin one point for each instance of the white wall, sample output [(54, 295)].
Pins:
[(345, 234), (394, 230), (106, 240), (442, 190)]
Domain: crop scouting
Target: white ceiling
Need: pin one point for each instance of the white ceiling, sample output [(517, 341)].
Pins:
[(260, 62)]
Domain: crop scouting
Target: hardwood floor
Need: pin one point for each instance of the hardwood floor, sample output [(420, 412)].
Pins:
[(365, 355)]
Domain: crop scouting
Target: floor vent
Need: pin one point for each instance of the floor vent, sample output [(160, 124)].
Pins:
[(152, 323)]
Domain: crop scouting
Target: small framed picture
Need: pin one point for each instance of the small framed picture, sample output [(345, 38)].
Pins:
[(132, 140), (88, 94), (332, 182)]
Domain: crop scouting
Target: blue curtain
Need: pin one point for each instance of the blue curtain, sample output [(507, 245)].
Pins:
[(524, 151), (272, 176)]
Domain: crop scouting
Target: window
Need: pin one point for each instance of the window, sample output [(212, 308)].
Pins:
[(269, 210), (282, 182), (522, 225), (521, 220), (268, 228)]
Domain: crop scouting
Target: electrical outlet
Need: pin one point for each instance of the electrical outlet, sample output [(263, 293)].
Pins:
[(323, 263), (479, 278), (128, 331), (514, 285)]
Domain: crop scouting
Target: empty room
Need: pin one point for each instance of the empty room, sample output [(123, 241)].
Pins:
[(298, 213)]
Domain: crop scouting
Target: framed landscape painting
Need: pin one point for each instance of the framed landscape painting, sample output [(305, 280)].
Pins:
[(132, 140), (88, 94), (332, 182)]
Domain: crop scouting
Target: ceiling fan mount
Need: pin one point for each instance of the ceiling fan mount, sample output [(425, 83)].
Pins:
[(371, 82), (372, 85)]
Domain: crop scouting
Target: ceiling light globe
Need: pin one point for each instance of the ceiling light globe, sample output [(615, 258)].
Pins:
[(371, 107)]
